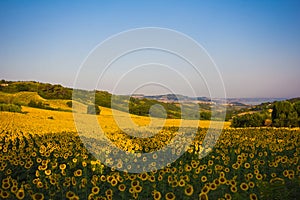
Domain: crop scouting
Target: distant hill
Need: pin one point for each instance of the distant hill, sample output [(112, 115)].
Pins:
[(58, 97)]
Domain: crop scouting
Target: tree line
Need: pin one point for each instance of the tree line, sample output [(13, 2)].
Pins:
[(284, 114)]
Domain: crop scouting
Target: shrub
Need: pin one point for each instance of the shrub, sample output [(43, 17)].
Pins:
[(93, 109), (10, 108)]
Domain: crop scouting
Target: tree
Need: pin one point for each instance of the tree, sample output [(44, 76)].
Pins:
[(285, 114), (93, 109), (292, 120), (297, 109), (248, 120)]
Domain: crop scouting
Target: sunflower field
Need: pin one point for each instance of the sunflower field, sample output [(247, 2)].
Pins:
[(244, 164)]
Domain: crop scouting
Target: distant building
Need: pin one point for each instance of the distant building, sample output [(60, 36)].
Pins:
[(3, 84), (138, 96)]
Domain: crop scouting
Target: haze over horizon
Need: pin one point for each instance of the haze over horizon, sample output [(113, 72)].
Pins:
[(255, 44)]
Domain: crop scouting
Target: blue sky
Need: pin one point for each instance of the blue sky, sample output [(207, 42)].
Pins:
[(255, 44)]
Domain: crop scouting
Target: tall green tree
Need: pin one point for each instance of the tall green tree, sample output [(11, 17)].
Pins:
[(284, 114)]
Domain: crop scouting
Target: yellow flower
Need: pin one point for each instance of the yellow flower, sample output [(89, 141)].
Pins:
[(70, 194), (5, 195), (213, 186), (114, 182), (20, 194), (205, 189), (251, 184), (253, 196), (137, 189), (227, 196), (62, 166), (244, 186), (233, 189), (95, 190), (157, 195), (189, 190), (109, 192), (135, 183), (203, 196), (222, 180), (122, 187), (258, 176), (181, 183), (5, 185), (38, 196), (247, 165), (47, 172), (78, 172), (170, 196)]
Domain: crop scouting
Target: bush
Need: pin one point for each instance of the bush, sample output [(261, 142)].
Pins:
[(93, 109), (248, 120), (10, 108), (69, 104)]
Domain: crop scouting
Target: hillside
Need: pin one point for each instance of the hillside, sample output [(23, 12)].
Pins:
[(57, 97), (45, 95)]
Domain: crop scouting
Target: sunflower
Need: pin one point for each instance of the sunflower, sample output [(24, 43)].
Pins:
[(38, 196), (47, 172), (159, 178), (114, 182), (95, 190), (291, 176), (258, 176), (62, 166), (78, 172), (14, 189), (217, 182), (209, 171), (181, 183), (247, 165), (5, 195), (170, 179), (170, 196), (5, 185), (157, 195), (222, 180), (173, 170), (285, 173), (135, 183), (227, 196), (131, 190), (138, 189), (251, 184), (273, 175), (70, 194), (205, 189), (233, 189), (189, 190), (143, 176), (203, 196), (151, 178), (103, 178), (122, 187), (187, 168), (253, 196), (109, 192), (213, 186), (74, 181), (244, 186), (20, 194)]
